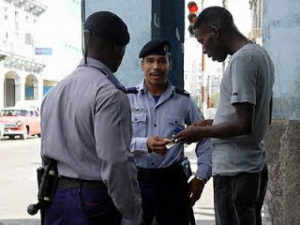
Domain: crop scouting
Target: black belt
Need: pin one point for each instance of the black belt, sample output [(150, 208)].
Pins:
[(68, 182), (170, 174)]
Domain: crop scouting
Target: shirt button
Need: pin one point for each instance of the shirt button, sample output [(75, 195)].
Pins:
[(155, 125), (152, 164)]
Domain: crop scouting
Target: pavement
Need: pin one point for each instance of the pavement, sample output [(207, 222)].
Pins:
[(19, 160), (204, 207)]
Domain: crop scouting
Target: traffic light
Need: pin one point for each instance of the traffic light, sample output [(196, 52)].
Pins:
[(193, 7), (192, 16)]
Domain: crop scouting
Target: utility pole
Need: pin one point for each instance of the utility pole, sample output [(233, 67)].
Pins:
[(225, 5), (204, 78)]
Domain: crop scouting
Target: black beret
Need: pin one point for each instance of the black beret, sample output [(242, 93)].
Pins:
[(109, 26), (155, 47)]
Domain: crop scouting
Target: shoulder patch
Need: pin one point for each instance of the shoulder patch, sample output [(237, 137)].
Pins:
[(182, 91), (132, 90)]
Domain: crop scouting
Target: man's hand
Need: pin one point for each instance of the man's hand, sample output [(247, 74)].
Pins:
[(157, 144), (196, 187), (190, 134)]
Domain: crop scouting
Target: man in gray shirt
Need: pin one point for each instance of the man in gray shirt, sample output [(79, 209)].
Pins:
[(86, 128), (241, 122)]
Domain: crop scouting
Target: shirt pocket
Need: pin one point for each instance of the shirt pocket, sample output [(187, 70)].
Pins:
[(173, 123), (139, 123)]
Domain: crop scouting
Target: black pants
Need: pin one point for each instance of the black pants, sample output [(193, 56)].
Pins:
[(165, 196), (239, 199)]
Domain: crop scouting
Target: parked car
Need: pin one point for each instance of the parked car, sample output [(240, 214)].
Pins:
[(1, 130), (20, 122)]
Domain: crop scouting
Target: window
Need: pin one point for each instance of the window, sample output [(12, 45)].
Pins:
[(14, 112), (28, 39), (17, 20), (36, 114)]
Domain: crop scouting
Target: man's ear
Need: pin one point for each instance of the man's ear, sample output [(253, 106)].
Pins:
[(215, 31), (170, 64), (142, 64)]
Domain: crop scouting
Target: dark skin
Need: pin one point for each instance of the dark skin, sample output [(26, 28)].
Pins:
[(107, 52), (156, 69), (218, 43), (239, 126)]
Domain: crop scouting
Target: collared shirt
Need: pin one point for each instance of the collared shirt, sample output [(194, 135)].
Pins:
[(151, 118), (86, 127)]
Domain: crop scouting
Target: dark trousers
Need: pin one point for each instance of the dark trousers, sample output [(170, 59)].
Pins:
[(239, 199), (165, 197), (95, 207)]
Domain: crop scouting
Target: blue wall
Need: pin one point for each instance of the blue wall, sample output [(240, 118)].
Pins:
[(281, 35), (146, 20), (137, 15), (171, 27)]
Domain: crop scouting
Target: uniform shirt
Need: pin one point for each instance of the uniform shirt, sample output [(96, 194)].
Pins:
[(151, 118), (249, 77), (86, 128)]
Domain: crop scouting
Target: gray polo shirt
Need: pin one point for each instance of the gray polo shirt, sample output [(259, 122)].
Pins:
[(86, 127), (249, 77)]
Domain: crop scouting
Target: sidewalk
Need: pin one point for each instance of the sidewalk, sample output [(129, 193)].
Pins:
[(204, 208)]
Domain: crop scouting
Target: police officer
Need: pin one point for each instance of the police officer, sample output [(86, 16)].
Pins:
[(86, 129), (159, 110)]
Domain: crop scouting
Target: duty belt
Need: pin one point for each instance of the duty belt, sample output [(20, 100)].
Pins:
[(68, 182), (169, 174)]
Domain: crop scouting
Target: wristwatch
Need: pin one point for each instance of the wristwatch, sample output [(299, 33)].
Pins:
[(202, 180)]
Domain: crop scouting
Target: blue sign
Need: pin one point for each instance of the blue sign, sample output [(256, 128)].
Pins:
[(43, 51)]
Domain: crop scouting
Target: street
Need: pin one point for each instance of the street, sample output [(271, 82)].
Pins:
[(19, 160)]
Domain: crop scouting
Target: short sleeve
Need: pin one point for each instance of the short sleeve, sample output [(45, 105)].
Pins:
[(243, 80)]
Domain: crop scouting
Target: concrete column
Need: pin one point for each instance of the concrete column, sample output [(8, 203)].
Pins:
[(20, 88), (40, 89), (282, 201), (2, 77)]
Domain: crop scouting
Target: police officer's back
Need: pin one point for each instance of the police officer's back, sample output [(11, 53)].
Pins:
[(86, 129)]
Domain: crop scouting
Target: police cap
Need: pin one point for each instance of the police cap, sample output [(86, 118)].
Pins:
[(155, 47), (109, 26)]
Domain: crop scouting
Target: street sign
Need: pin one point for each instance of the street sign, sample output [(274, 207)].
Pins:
[(43, 51)]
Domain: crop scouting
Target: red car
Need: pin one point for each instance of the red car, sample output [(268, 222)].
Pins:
[(20, 122)]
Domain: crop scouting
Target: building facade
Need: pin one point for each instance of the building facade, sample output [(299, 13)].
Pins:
[(256, 7), (20, 66)]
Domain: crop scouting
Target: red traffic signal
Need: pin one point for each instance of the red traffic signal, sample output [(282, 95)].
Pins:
[(193, 7)]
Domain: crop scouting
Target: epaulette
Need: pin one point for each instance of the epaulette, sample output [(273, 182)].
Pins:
[(116, 83), (182, 91), (132, 90)]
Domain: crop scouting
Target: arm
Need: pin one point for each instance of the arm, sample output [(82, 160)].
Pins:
[(203, 151), (141, 145), (239, 126), (118, 171), (138, 145), (243, 98)]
